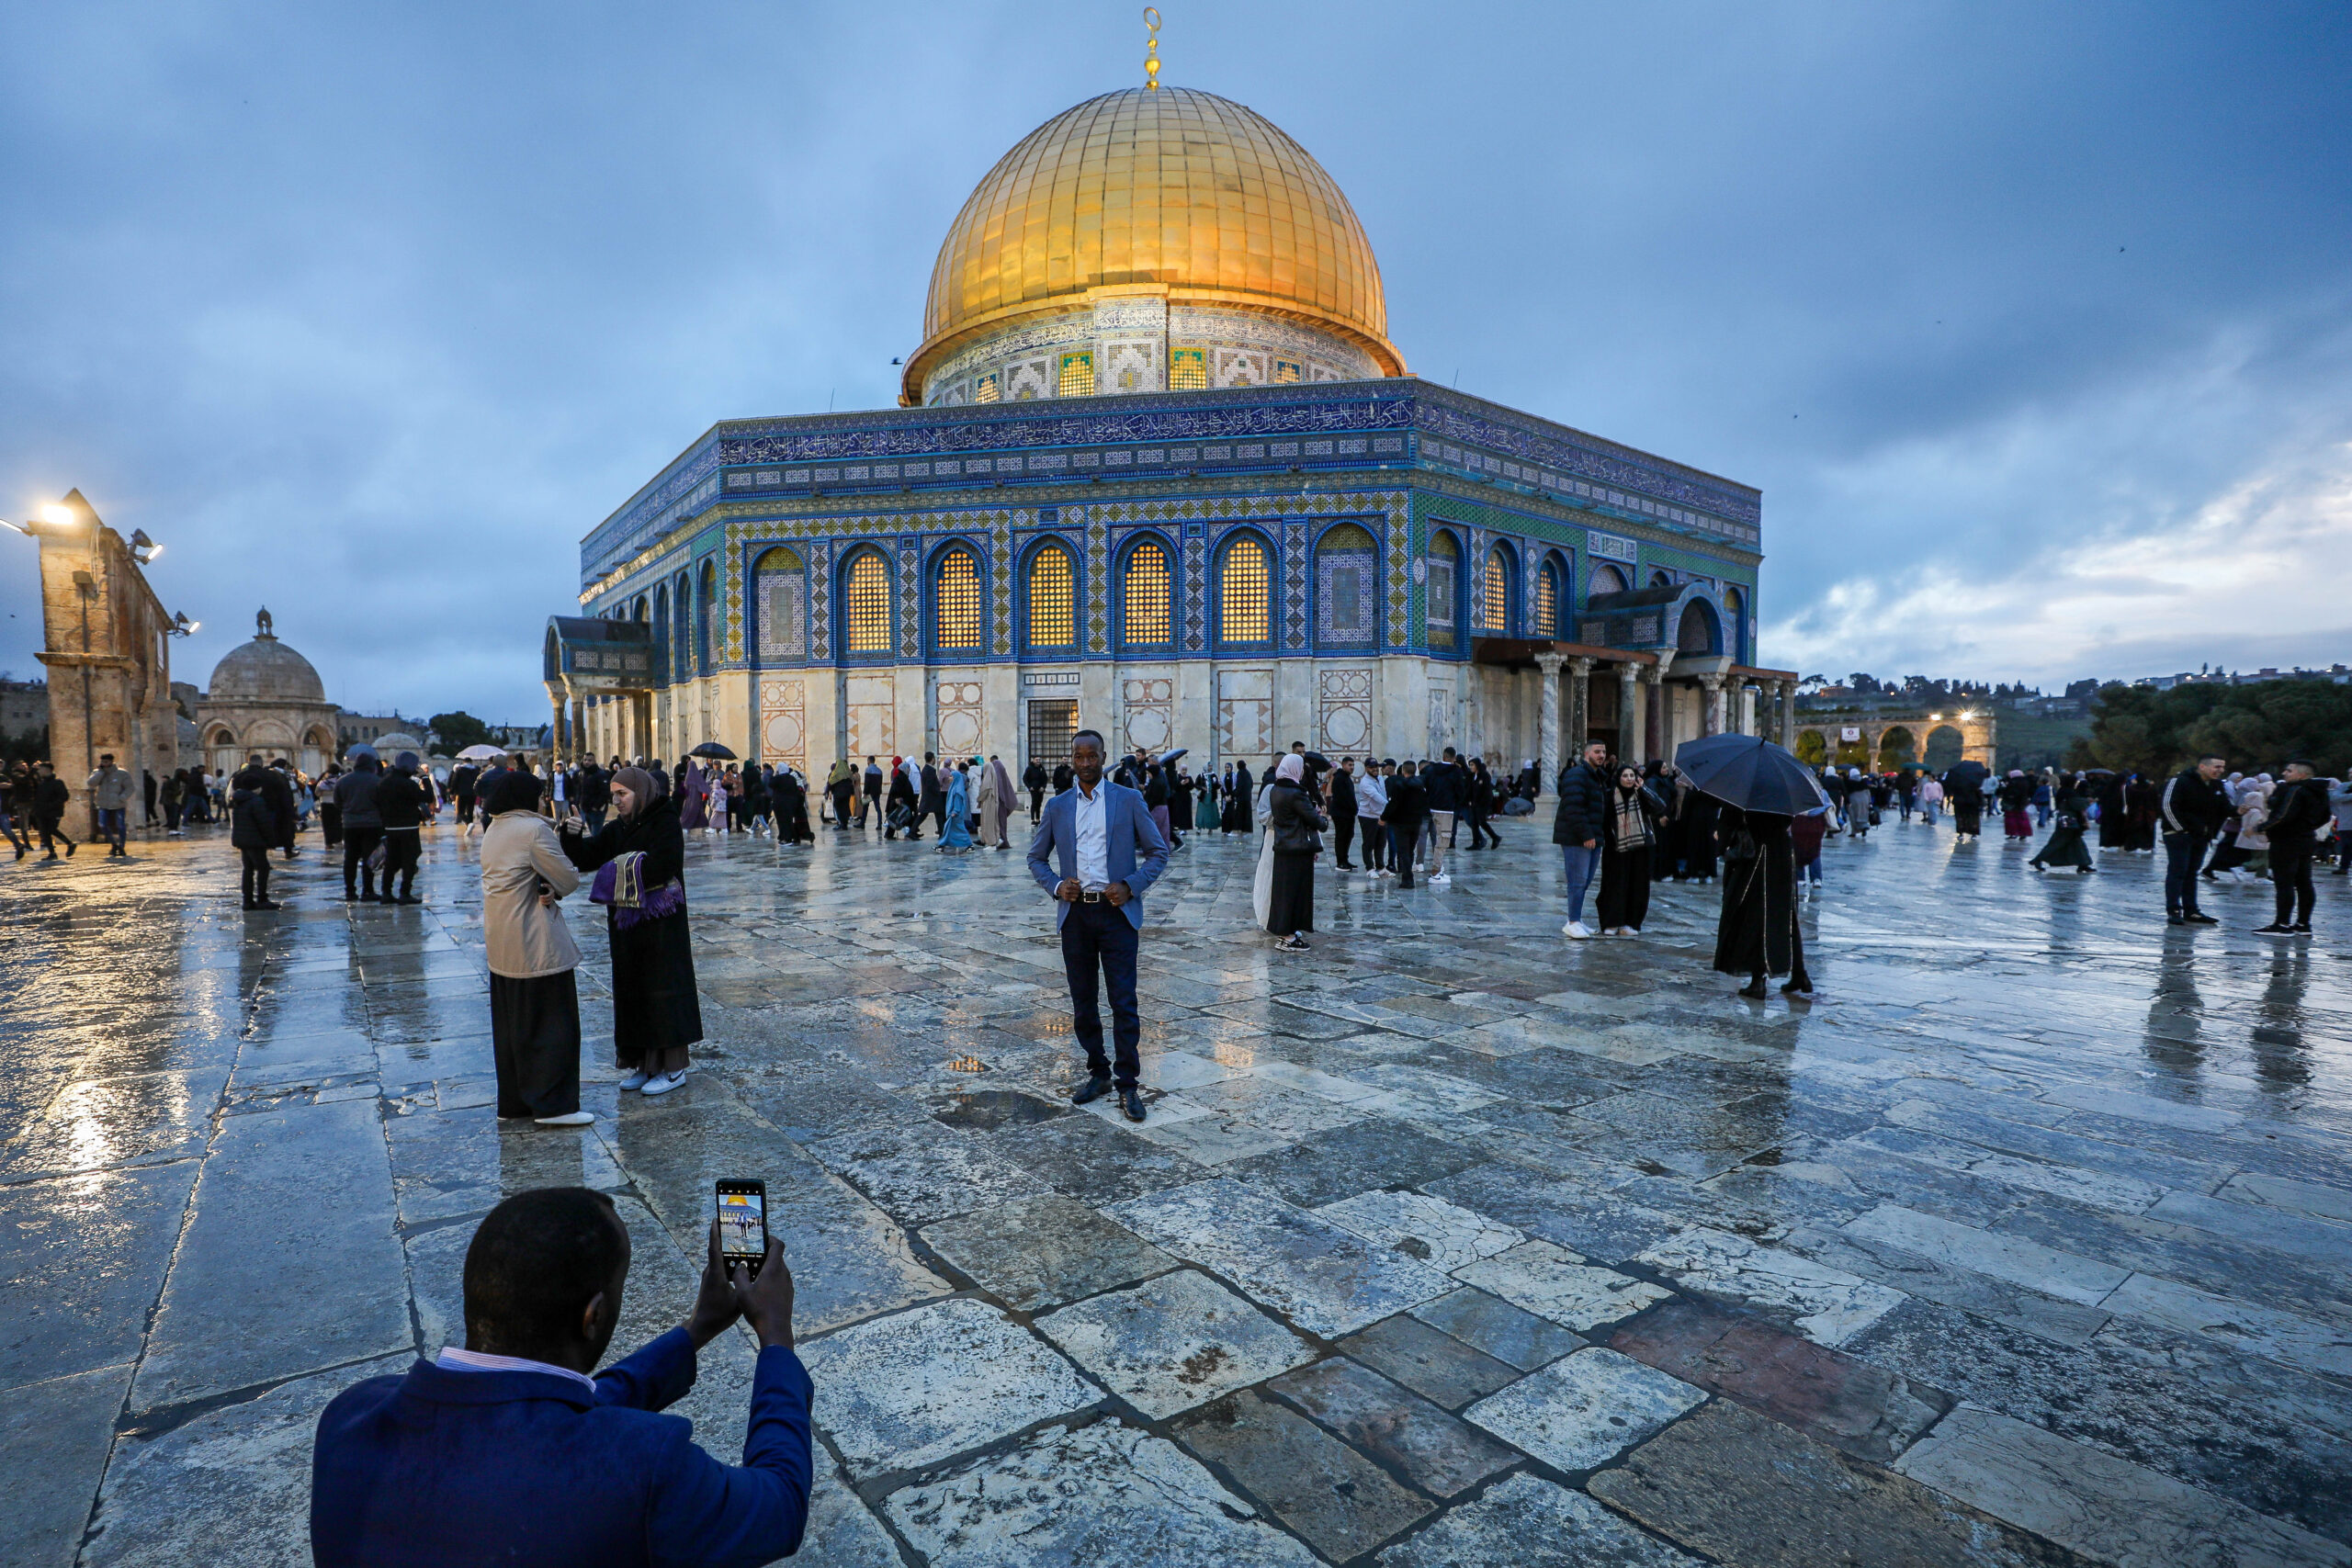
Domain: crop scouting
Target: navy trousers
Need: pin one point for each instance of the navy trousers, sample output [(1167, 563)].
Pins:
[(1098, 937), (2184, 853)]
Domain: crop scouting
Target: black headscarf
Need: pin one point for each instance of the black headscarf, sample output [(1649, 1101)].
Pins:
[(517, 790)]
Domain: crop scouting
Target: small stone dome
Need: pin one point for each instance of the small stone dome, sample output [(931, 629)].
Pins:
[(391, 746), (265, 670)]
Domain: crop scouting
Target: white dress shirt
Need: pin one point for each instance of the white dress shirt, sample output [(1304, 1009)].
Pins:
[(453, 1359), (1093, 837)]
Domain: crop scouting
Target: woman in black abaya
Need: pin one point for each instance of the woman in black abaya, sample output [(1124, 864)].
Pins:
[(639, 859), (1758, 935)]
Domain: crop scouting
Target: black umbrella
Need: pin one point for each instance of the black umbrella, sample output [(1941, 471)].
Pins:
[(1968, 771), (712, 748), (1752, 773)]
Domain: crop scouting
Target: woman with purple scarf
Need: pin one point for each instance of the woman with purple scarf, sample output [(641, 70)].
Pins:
[(639, 860)]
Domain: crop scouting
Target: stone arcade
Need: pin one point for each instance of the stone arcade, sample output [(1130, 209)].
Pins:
[(1160, 472)]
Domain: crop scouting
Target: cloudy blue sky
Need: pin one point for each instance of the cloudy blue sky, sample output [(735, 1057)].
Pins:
[(2033, 323)]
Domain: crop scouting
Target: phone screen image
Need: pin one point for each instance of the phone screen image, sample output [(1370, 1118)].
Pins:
[(742, 1224)]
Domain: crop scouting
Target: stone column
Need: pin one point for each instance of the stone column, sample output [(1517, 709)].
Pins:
[(1632, 715), (1788, 694), (1547, 720), (1579, 706), (1711, 706), (1654, 707)]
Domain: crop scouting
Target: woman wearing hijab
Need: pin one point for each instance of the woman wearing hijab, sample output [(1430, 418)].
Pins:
[(1292, 822), (984, 806), (901, 803), (534, 991), (2065, 846), (954, 836), (1626, 839), (788, 798), (1758, 935), (998, 817), (639, 859), (694, 793)]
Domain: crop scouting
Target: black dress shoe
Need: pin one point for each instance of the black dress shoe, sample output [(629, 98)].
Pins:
[(1131, 1103), (1096, 1086), (2196, 919), (1754, 989)]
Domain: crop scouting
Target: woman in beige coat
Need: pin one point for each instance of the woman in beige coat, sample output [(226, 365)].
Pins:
[(534, 998)]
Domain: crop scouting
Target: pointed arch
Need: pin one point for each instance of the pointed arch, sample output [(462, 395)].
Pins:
[(1443, 599), (1245, 589), (1499, 585), (868, 607), (1049, 599), (1546, 616), (1347, 587), (1146, 592), (958, 600)]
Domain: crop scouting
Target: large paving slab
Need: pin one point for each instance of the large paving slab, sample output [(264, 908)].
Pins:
[(1552, 1282), (1035, 1254), (1751, 1492), (2107, 1508), (1101, 1494), (1173, 1342), (1325, 1279), (1335, 1497), (907, 1390), (1584, 1410), (1532, 1523)]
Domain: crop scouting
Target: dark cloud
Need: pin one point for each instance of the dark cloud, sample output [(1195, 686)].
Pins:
[(2017, 312)]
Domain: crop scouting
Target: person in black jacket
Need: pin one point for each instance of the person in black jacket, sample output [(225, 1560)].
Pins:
[(50, 797), (1757, 934), (2193, 807), (1478, 805), (1343, 811), (253, 829), (1290, 812), (280, 786), (2299, 807), (1408, 807), (400, 806), (363, 829), (1576, 824), (1034, 778)]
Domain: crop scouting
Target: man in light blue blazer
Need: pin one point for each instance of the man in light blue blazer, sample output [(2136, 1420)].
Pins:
[(1096, 850)]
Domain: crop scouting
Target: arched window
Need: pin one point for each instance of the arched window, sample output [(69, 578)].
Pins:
[(955, 601), (1347, 583), (1494, 616), (1144, 591), (1444, 590), (1053, 598), (1548, 598), (704, 610), (681, 628), (866, 603), (1245, 592), (1607, 580), (662, 633), (1695, 632), (780, 604), (1735, 624), (1661, 579)]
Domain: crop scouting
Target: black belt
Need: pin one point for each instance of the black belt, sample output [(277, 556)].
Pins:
[(1091, 898)]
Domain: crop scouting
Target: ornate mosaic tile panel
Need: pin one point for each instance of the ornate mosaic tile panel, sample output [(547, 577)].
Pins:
[(1294, 585), (910, 597), (1097, 577)]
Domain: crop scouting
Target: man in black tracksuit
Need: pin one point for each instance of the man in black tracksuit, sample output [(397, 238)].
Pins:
[(2298, 809), (2193, 807)]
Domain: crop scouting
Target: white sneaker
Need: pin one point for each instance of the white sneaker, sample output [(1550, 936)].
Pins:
[(1441, 880), (576, 1119), (1576, 930), (661, 1085), (633, 1082)]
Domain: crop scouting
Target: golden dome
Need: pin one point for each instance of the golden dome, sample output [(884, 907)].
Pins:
[(1185, 190)]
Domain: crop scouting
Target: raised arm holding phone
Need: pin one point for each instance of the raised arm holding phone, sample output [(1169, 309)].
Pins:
[(509, 1451)]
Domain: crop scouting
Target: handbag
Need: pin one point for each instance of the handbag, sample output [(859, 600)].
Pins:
[(1740, 848)]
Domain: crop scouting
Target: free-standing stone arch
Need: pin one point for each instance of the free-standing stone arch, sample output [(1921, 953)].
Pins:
[(1898, 747), (1812, 748), (1863, 735)]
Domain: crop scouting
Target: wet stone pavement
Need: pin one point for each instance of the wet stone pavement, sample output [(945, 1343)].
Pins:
[(1451, 1243)]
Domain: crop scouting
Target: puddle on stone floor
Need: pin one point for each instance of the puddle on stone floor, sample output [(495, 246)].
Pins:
[(991, 1110)]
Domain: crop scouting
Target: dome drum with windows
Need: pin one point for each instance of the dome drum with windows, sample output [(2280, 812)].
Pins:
[(1242, 524)]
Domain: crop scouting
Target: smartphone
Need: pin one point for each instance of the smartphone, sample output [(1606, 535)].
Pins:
[(743, 1209)]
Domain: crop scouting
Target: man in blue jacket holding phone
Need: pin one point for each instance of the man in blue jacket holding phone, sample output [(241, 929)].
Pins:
[(1096, 850), (509, 1452)]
